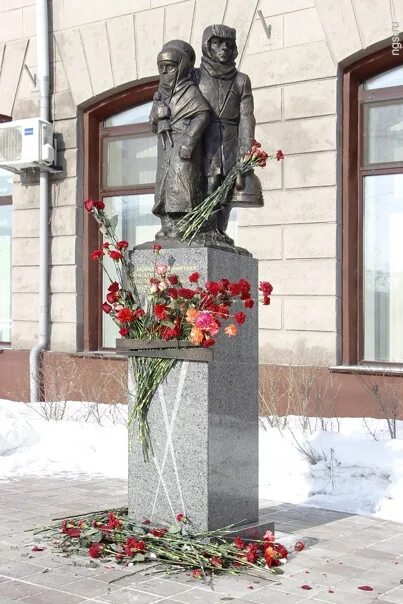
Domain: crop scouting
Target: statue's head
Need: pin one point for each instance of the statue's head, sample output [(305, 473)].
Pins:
[(175, 63), (219, 44)]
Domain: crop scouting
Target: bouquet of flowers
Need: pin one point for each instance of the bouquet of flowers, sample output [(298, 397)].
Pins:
[(172, 311), (194, 222)]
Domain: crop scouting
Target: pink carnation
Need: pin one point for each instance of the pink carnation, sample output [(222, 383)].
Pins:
[(203, 320)]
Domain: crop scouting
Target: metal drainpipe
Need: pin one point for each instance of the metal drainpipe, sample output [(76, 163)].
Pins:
[(42, 38)]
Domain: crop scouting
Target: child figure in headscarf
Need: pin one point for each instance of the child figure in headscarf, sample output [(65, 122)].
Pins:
[(232, 124), (179, 115)]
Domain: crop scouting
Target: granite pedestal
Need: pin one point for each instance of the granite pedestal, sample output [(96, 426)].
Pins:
[(204, 417)]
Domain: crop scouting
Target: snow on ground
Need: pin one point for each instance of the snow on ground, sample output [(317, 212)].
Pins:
[(89, 439), (342, 468), (346, 470)]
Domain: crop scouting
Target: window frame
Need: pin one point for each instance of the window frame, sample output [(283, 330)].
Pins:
[(94, 134), (5, 200), (353, 171)]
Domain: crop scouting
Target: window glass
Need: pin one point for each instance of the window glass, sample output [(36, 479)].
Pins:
[(134, 115), (5, 272), (137, 225), (383, 132), (383, 267), (393, 77), (6, 183), (130, 160)]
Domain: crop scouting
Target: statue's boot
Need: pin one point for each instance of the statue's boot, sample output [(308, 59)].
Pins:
[(222, 223), (165, 227), (174, 231)]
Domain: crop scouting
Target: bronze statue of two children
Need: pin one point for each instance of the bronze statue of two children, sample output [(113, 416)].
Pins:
[(205, 122)]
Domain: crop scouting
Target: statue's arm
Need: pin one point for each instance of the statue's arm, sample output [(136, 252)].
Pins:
[(153, 119), (194, 133), (247, 121)]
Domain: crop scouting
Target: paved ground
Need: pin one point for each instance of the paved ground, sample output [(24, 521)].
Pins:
[(343, 553)]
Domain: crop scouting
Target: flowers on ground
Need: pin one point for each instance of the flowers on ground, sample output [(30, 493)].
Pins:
[(113, 536)]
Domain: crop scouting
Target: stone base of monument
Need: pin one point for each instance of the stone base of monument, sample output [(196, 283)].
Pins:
[(204, 417)]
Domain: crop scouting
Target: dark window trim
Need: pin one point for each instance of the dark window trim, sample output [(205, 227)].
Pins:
[(353, 98), (5, 200), (92, 275)]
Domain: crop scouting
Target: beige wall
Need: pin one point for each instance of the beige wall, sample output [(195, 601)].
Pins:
[(100, 45)]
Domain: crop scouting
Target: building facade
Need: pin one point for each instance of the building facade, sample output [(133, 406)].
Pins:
[(327, 80)]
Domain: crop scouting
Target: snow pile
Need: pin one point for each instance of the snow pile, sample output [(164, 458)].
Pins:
[(342, 468), (88, 440), (346, 470)]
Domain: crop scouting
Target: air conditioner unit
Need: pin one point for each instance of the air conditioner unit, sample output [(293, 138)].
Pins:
[(26, 144)]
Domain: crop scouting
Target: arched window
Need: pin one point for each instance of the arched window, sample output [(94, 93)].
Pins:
[(6, 191), (120, 167), (373, 210)]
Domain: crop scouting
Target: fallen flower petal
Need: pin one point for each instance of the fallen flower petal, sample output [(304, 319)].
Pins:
[(306, 587), (365, 588)]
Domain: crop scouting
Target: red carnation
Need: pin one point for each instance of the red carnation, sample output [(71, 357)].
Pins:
[(234, 289), (156, 247), (280, 549), (114, 287), (222, 311), (97, 254), (158, 532), (213, 288), (112, 297), (266, 288), (95, 550), (180, 517), (240, 317), (106, 308), (133, 546), (113, 521), (299, 546), (168, 333), (125, 315), (115, 255), (99, 205), (186, 293), (106, 244), (244, 286), (239, 542), (248, 303), (173, 279), (266, 301), (194, 277), (208, 342), (122, 245), (252, 553), (279, 155), (124, 331), (223, 283), (89, 205), (216, 561), (69, 529), (172, 292), (160, 311)]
